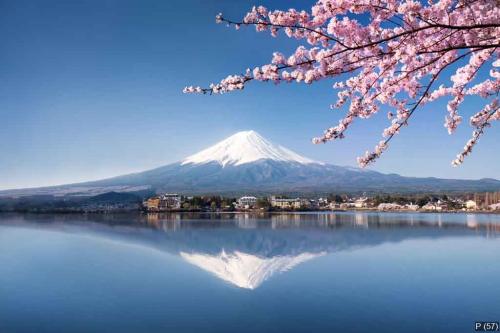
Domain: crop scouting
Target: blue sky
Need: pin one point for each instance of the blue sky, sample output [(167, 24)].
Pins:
[(92, 89)]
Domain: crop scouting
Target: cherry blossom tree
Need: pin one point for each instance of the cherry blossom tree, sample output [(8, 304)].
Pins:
[(393, 61)]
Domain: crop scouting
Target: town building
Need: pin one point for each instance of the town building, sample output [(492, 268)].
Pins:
[(323, 203), (152, 204), (361, 203), (346, 205), (430, 206), (389, 206), (296, 203), (165, 202), (170, 201), (334, 205), (246, 202), (411, 206)]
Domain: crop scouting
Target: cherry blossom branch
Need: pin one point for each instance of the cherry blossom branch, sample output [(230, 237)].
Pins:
[(387, 65), (451, 121), (481, 120), (370, 157), (221, 19)]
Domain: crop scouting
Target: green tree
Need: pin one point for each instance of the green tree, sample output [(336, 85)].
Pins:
[(263, 203)]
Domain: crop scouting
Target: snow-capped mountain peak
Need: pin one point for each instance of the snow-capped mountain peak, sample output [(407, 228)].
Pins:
[(245, 147)]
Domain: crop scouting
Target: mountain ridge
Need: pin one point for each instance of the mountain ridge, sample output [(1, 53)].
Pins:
[(248, 163)]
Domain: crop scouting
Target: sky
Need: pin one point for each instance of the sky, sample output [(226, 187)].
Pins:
[(93, 89)]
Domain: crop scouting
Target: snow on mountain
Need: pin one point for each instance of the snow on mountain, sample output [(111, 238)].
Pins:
[(246, 147), (248, 163), (245, 270)]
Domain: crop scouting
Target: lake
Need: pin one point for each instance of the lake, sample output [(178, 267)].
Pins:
[(310, 272)]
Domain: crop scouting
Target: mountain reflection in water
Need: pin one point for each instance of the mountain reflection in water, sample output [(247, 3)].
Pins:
[(247, 249)]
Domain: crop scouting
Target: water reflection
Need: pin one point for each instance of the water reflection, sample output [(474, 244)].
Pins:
[(245, 250), (361, 219), (472, 221), (246, 270)]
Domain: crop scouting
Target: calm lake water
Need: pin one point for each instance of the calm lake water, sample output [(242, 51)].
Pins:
[(324, 272)]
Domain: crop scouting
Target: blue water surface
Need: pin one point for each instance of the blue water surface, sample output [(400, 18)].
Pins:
[(313, 272)]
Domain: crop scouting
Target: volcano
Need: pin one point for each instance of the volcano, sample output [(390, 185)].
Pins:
[(246, 162)]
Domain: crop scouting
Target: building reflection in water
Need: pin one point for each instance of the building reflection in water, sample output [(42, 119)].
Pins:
[(439, 220), (164, 221), (246, 221), (330, 220), (361, 219), (246, 249), (472, 221)]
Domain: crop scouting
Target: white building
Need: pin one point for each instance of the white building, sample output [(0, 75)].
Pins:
[(432, 207), (323, 202), (389, 206), (296, 203), (170, 201), (347, 205), (411, 206), (361, 203), (334, 205), (247, 202)]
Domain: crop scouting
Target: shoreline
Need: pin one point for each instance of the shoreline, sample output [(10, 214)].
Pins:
[(253, 212)]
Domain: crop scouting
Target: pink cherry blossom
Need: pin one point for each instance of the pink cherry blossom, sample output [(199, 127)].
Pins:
[(393, 62)]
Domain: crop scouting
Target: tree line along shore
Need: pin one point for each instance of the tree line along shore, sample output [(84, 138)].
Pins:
[(152, 202)]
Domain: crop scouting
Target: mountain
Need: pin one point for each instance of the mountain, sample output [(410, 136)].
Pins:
[(248, 163)]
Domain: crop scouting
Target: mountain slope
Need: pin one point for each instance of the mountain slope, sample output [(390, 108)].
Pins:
[(248, 163)]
